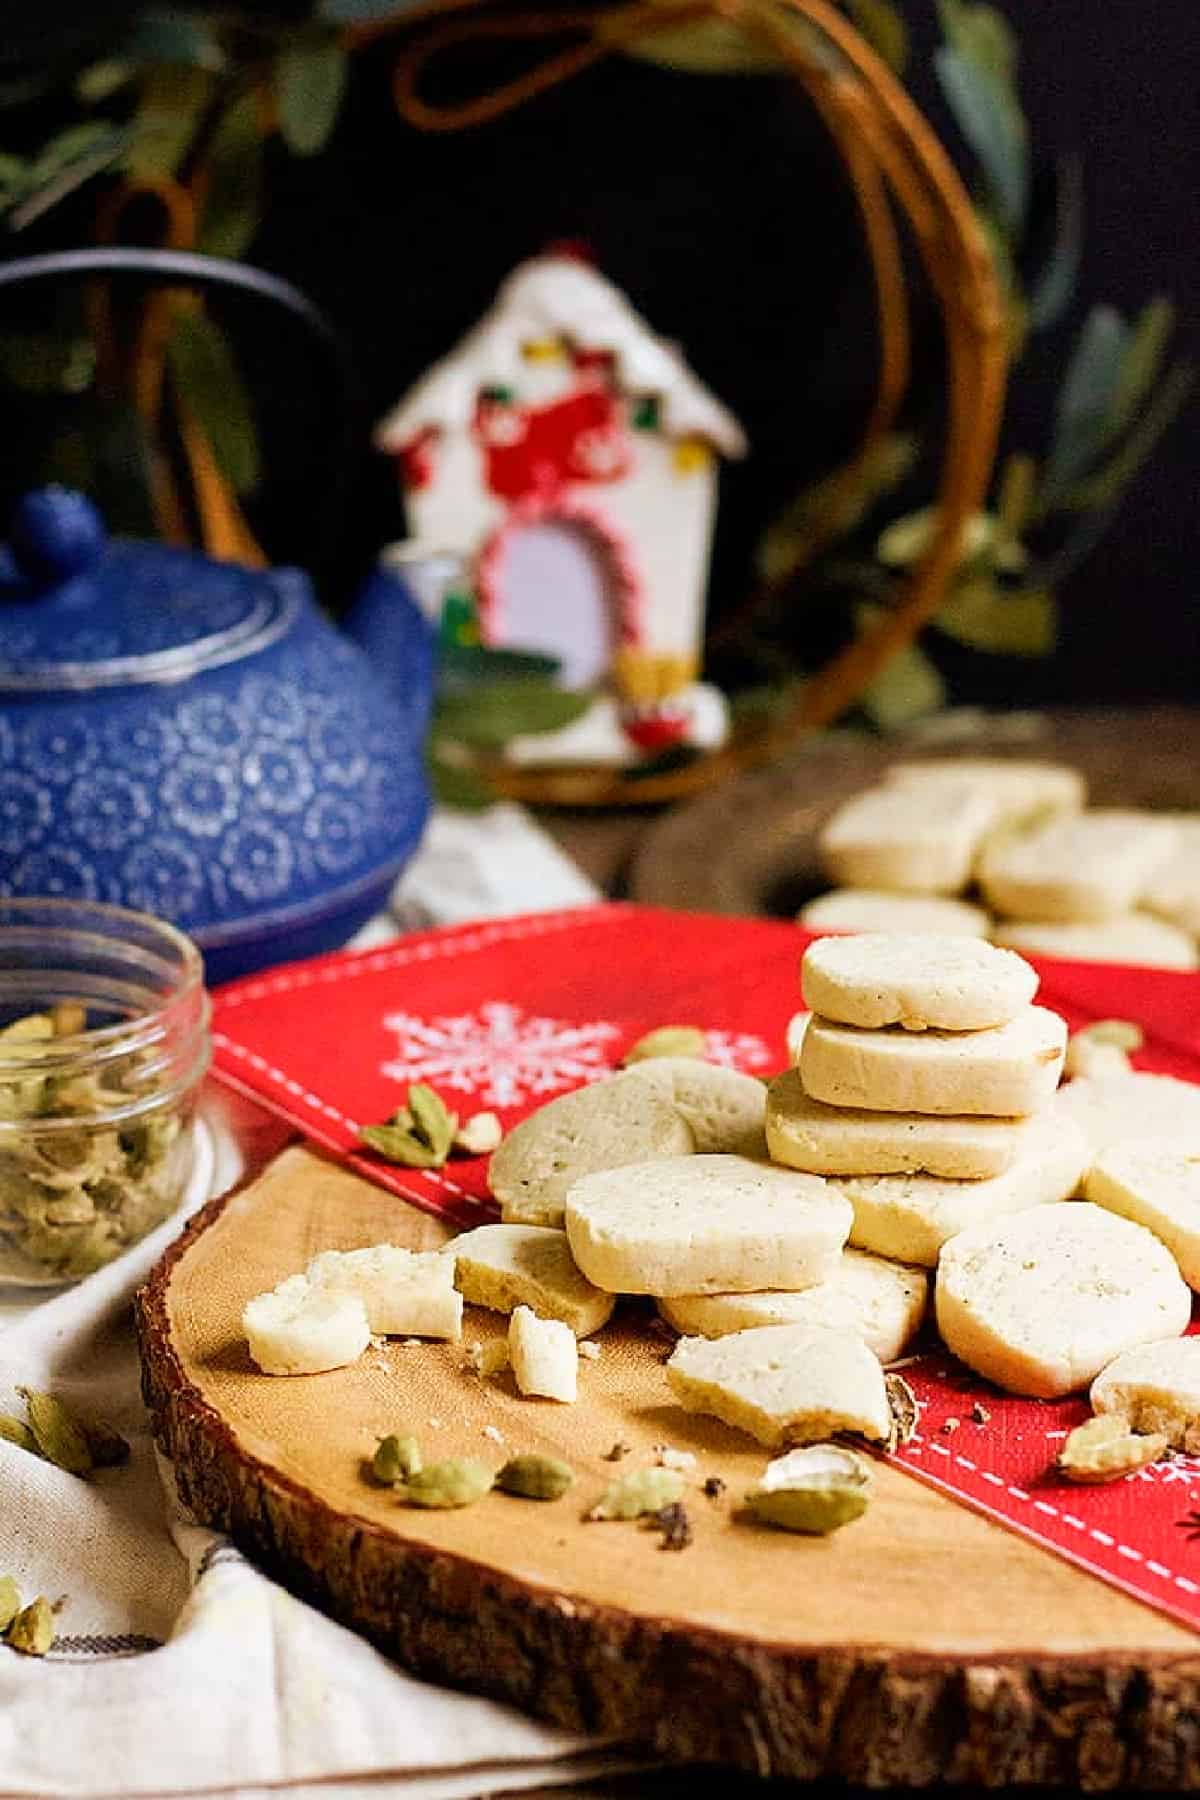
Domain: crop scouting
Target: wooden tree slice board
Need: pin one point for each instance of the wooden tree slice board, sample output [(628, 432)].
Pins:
[(923, 1643)]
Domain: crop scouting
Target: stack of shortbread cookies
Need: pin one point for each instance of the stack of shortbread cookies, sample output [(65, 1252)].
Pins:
[(925, 1089)]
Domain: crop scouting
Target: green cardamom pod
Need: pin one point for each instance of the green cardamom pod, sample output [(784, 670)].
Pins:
[(399, 1146), (10, 1601), (641, 1491), (432, 1120), (459, 1481), (535, 1477), (15, 1431), (395, 1459), (815, 1489), (58, 1434), (668, 1040), (32, 1631)]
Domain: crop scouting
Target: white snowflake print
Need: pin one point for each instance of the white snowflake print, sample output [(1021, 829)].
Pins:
[(1173, 1471), (500, 1053), (736, 1050)]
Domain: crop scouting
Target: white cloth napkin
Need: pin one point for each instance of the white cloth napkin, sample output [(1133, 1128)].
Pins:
[(178, 1667)]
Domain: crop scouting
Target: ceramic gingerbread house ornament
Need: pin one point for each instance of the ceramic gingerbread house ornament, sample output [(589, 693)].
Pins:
[(566, 457)]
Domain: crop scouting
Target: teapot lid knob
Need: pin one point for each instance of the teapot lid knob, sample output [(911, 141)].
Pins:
[(56, 533)]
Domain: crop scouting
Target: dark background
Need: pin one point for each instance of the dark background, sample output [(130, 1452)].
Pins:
[(717, 204)]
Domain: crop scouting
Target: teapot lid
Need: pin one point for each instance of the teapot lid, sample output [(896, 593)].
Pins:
[(81, 610)]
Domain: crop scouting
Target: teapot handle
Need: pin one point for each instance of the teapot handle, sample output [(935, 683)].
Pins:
[(192, 268)]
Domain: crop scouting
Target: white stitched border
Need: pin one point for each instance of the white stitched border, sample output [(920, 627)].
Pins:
[(504, 931), (916, 1444)]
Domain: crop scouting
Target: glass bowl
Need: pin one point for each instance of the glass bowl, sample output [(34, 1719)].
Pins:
[(103, 1045)]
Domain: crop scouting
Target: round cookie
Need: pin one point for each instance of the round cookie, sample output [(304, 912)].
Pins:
[(882, 1302), (1132, 1107), (1157, 1388), (1132, 938), (1156, 1185), (705, 1224), (803, 1133), (1002, 1072), (919, 981), (1040, 1302), (878, 909), (723, 1107), (619, 1120)]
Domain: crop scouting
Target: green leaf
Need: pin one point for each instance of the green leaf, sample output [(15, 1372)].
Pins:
[(1086, 399), (172, 102), (454, 785), (174, 39), (41, 362), (706, 46), (884, 29), (906, 688), (206, 374), (1054, 285), (62, 165), (1108, 484), (984, 617), (103, 79), (1141, 362), (983, 35), (310, 79), (992, 122), (786, 539), (233, 202), (464, 665), (487, 717)]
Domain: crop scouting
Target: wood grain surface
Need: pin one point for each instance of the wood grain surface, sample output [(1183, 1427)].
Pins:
[(923, 1643)]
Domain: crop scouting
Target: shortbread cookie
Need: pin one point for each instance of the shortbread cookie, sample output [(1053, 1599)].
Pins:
[(1004, 1071), (1133, 938), (723, 1107), (1020, 789), (1039, 1303), (883, 1303), (1157, 1388), (705, 1225), (1174, 891), (544, 1356), (1158, 1186), (623, 1119), (505, 1266), (298, 1329), (874, 909), (918, 841), (406, 1293), (797, 1025), (785, 1384), (803, 1133), (1089, 865), (945, 983), (1116, 1109), (910, 1217)]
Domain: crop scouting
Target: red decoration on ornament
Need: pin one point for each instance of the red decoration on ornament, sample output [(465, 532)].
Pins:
[(537, 450), (548, 507), (655, 729), (416, 460)]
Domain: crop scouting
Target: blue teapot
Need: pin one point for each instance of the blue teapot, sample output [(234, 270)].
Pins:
[(195, 738)]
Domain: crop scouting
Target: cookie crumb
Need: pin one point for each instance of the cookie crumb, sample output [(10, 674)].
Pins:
[(491, 1431), (950, 1425), (668, 1458), (435, 1424), (588, 1350), (714, 1487), (980, 1414)]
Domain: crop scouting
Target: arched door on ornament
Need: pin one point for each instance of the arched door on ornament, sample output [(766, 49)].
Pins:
[(555, 586)]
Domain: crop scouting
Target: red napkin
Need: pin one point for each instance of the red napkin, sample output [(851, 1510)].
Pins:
[(503, 1015)]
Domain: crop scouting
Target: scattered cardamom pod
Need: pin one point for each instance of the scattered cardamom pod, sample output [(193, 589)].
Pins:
[(399, 1146), (641, 1491), (58, 1434), (1104, 1448), (10, 1601), (459, 1481), (433, 1122), (15, 1431), (668, 1040), (480, 1135), (535, 1477), (902, 1403), (32, 1631), (815, 1490), (395, 1459)]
